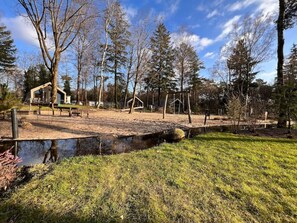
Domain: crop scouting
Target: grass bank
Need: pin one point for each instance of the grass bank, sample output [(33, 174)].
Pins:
[(213, 178)]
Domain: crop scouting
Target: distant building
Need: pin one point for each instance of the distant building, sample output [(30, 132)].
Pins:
[(42, 95)]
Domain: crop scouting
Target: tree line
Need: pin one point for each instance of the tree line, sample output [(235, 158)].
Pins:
[(125, 60)]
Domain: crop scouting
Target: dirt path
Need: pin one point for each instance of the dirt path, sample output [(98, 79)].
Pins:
[(46, 126)]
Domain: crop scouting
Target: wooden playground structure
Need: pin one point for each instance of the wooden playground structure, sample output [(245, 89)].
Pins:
[(138, 101), (188, 101)]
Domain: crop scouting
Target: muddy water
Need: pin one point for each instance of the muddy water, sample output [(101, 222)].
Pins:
[(44, 151)]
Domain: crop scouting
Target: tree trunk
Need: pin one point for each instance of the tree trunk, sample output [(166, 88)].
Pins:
[(101, 69), (126, 90), (78, 89), (79, 64), (153, 98), (182, 87), (94, 88), (134, 95), (128, 77), (54, 92), (147, 97), (165, 106), (280, 55), (159, 91), (115, 86), (86, 93), (189, 108)]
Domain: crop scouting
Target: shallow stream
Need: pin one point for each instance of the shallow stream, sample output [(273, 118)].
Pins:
[(43, 151)]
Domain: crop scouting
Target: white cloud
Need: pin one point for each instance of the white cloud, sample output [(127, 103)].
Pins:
[(204, 42), (267, 76), (174, 6), (161, 17), (201, 7), (196, 41), (241, 5), (130, 11), (218, 2), (212, 14), (227, 27), (268, 6), (264, 6), (210, 55), (195, 26), (21, 29)]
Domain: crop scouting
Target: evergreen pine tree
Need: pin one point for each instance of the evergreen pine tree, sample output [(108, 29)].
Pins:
[(35, 76), (161, 75), (7, 50), (241, 65), (195, 65), (44, 75), (290, 68), (188, 66), (290, 85), (67, 87), (116, 53), (7, 99)]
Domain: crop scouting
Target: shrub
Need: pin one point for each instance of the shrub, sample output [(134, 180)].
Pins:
[(8, 168), (7, 100), (235, 110)]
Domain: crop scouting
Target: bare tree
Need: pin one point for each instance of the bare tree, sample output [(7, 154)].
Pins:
[(141, 41), (83, 47), (57, 23), (129, 75), (258, 35), (108, 14)]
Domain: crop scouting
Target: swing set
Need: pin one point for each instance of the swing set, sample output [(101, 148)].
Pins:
[(138, 101), (179, 101)]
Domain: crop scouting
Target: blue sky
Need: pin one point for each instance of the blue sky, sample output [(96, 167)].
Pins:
[(207, 23)]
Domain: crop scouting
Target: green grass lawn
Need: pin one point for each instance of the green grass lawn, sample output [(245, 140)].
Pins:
[(212, 178)]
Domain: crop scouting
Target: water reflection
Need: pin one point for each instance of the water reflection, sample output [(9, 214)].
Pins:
[(52, 153), (39, 151)]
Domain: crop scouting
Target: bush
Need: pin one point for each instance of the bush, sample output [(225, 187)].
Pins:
[(235, 110), (7, 100), (8, 168)]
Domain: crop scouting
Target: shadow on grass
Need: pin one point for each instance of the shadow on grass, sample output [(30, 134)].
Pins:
[(19, 214)]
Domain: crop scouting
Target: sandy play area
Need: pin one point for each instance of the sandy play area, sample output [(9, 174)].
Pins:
[(46, 126)]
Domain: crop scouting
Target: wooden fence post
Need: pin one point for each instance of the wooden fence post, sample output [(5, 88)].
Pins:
[(14, 127)]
